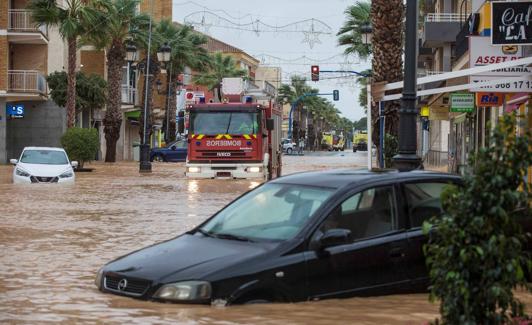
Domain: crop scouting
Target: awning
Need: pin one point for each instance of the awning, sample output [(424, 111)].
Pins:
[(134, 115)]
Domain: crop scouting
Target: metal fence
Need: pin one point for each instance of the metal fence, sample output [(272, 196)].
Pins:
[(436, 158), (28, 81), (20, 20), (445, 17)]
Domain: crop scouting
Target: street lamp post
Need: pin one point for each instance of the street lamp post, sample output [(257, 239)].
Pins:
[(407, 158)]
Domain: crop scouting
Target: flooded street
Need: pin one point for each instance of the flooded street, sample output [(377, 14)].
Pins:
[(54, 238)]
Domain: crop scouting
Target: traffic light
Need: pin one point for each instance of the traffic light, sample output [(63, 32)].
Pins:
[(315, 73), (336, 95)]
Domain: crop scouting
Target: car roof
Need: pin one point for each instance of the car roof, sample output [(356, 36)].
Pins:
[(44, 148), (338, 178)]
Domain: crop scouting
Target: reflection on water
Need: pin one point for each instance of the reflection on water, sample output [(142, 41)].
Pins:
[(54, 238)]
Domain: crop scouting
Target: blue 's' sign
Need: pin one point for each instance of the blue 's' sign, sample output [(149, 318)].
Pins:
[(15, 110)]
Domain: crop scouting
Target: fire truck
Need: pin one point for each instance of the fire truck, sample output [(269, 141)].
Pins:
[(238, 138)]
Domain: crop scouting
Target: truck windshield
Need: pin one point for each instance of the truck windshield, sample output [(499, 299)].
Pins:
[(212, 123)]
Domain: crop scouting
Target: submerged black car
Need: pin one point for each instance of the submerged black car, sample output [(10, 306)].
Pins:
[(302, 237)]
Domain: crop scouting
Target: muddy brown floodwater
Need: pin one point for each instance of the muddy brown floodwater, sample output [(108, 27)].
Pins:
[(54, 238)]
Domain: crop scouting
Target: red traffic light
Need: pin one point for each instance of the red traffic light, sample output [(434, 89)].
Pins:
[(315, 73)]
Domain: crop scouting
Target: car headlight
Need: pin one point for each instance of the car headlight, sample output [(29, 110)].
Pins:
[(67, 174), (185, 291), (254, 169), (21, 172), (193, 169), (98, 279)]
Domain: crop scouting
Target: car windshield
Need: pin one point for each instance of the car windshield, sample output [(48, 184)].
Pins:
[(271, 212), (47, 157), (236, 123)]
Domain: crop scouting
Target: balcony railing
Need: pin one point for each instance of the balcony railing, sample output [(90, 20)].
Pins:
[(20, 20), (129, 95), (445, 17), (27, 81)]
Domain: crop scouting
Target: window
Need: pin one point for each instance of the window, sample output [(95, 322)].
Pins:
[(423, 201), (366, 214), (271, 212), (47, 157)]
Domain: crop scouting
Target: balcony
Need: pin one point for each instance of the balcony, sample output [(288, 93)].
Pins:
[(441, 28), (22, 29), (26, 81), (129, 95)]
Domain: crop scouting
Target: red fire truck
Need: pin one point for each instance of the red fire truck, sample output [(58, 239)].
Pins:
[(238, 139)]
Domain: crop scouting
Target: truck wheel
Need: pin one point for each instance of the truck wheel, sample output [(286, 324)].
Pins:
[(289, 151)]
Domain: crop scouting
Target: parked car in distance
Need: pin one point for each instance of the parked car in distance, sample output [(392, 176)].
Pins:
[(306, 236), (288, 146), (43, 165), (174, 152)]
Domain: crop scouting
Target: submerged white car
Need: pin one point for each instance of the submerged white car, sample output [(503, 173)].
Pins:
[(43, 165)]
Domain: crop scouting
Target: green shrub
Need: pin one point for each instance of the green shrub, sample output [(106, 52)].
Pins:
[(81, 144), (476, 253), (391, 148)]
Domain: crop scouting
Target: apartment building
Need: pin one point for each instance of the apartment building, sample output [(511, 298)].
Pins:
[(457, 35), (27, 54)]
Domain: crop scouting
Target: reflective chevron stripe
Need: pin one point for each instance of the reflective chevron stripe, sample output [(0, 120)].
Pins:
[(255, 136), (246, 136), (200, 136)]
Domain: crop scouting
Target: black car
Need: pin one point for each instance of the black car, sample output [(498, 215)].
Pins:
[(176, 151), (302, 237)]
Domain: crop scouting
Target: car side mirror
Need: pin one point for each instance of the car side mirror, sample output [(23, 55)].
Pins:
[(269, 124), (173, 147), (13, 161), (335, 237), (74, 164)]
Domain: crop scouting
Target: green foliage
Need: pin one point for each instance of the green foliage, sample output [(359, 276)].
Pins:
[(221, 66), (476, 254), (73, 19), (391, 147), (357, 16), (81, 144), (91, 90), (361, 124), (363, 95)]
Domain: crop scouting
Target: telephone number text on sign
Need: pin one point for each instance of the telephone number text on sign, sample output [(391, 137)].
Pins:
[(510, 86)]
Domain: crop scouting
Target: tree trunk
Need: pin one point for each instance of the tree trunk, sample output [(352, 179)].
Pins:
[(113, 115), (387, 18), (71, 82)]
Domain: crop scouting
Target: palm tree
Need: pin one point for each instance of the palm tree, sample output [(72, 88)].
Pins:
[(74, 19), (387, 18), (187, 50), (223, 66), (357, 15), (290, 93), (122, 24)]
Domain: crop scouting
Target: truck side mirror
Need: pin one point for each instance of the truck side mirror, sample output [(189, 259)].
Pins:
[(269, 124)]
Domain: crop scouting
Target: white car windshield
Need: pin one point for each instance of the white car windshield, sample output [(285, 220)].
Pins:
[(46, 157), (271, 212)]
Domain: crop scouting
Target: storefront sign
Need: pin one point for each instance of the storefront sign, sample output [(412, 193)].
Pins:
[(439, 113), (482, 53), (511, 23), (425, 111), (490, 99), (462, 102), (15, 110)]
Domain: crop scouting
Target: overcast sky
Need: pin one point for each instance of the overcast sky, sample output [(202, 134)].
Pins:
[(226, 19)]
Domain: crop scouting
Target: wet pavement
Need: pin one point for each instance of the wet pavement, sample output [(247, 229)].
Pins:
[(54, 238)]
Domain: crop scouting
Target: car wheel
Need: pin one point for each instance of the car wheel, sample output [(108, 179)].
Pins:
[(354, 149), (158, 158), (289, 151)]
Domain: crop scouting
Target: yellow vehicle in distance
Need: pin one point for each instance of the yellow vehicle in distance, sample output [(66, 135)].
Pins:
[(360, 141)]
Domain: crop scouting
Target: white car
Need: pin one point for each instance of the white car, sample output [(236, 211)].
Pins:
[(43, 165), (288, 146)]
